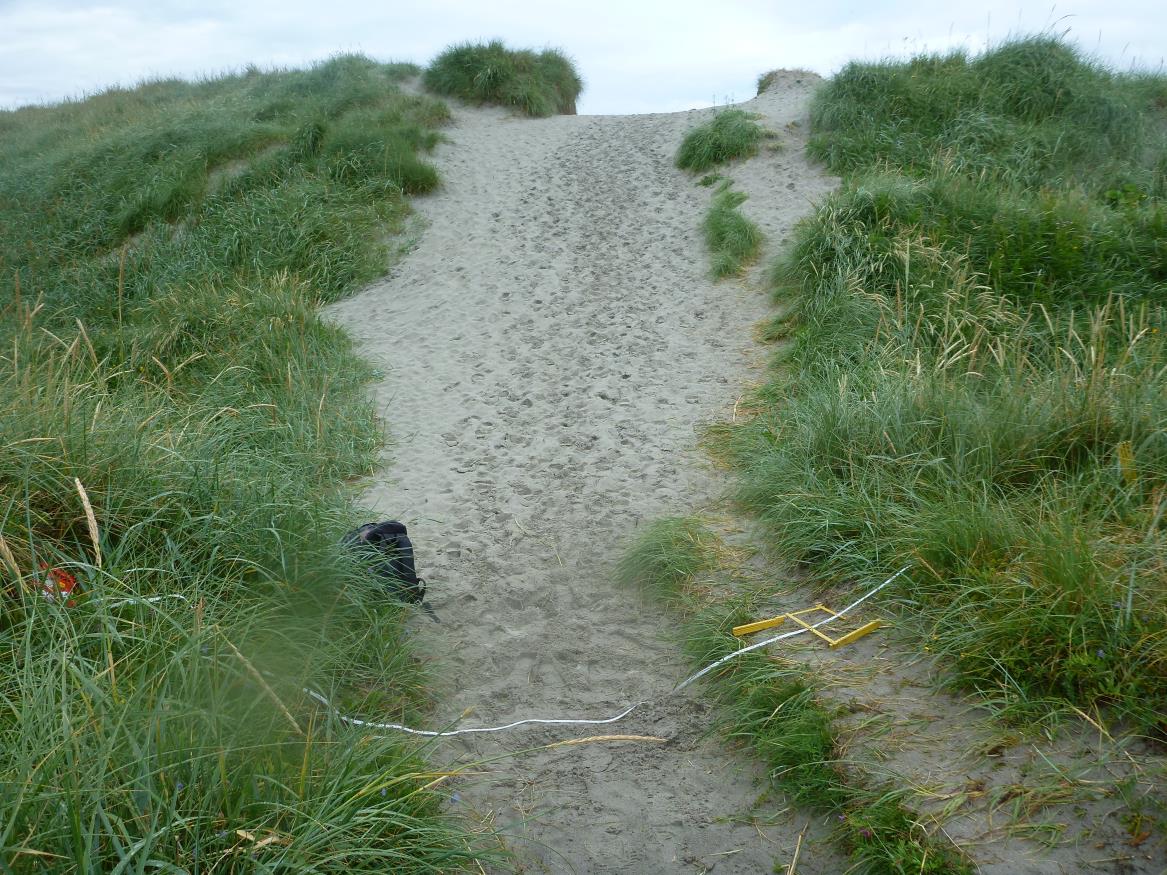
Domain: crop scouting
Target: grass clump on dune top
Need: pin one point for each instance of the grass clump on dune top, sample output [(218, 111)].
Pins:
[(165, 250), (731, 134), (536, 83), (978, 374), (1032, 112)]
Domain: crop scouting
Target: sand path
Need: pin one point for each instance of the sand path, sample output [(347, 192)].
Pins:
[(551, 347)]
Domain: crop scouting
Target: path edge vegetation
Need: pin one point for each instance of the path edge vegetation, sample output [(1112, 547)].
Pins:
[(977, 369), (734, 242), (770, 705), (1009, 205)]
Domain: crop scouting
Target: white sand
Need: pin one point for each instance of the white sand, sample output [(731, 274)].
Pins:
[(552, 347)]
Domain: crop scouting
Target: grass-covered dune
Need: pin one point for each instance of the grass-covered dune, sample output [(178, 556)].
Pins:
[(535, 83), (176, 421), (978, 380)]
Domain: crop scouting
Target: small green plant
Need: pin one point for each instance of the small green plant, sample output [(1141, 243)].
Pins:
[(733, 240), (666, 556), (1128, 196), (731, 134), (537, 84)]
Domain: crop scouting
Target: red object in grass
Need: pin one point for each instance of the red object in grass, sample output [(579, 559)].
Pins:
[(58, 584)]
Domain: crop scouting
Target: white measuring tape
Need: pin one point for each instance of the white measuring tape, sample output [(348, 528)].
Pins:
[(400, 727), (541, 721), (445, 733), (144, 600)]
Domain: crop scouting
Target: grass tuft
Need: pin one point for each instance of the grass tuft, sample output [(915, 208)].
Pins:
[(537, 84), (666, 556), (733, 240), (731, 134), (766, 80)]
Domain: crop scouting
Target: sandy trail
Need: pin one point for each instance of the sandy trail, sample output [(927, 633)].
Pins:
[(551, 348)]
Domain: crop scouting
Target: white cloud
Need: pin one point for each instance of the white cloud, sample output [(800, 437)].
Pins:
[(650, 55)]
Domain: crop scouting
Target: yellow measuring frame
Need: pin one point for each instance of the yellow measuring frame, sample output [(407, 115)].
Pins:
[(796, 616)]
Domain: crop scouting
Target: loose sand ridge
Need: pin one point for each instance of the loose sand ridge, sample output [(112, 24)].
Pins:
[(551, 347)]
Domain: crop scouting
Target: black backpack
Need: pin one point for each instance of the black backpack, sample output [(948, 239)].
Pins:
[(390, 553)]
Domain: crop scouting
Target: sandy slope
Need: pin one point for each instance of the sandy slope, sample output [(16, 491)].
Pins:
[(551, 348)]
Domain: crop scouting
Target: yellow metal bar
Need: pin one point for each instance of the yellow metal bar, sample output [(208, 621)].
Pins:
[(805, 625), (759, 626), (806, 611), (857, 634), (796, 616)]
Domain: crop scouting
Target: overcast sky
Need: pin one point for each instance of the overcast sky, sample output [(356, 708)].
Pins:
[(634, 55)]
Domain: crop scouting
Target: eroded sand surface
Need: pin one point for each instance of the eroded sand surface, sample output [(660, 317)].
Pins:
[(551, 348)]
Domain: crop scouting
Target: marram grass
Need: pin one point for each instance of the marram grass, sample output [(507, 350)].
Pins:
[(730, 135), (165, 251), (734, 242), (535, 83), (978, 371), (667, 556)]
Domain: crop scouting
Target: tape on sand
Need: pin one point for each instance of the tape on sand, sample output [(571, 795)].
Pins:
[(445, 733)]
